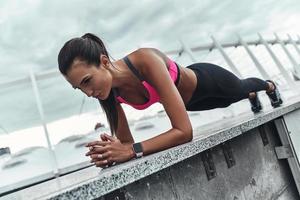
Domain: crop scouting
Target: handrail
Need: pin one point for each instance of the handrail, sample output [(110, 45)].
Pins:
[(209, 46), (185, 48)]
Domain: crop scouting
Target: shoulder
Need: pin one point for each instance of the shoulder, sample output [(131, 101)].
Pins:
[(145, 58), (152, 64), (148, 53), (145, 51)]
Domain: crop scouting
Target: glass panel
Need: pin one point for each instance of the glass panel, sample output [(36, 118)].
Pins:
[(22, 139), (71, 118), (268, 63), (294, 52)]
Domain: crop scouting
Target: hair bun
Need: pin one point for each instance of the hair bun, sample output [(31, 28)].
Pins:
[(89, 36)]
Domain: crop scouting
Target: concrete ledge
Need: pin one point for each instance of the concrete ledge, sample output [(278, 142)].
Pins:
[(93, 183), (255, 173), (205, 137)]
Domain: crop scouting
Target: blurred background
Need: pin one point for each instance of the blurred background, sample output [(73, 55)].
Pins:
[(44, 123)]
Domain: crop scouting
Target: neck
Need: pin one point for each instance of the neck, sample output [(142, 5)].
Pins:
[(120, 76)]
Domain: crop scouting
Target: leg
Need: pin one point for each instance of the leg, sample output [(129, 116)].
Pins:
[(214, 82), (252, 95), (218, 88), (209, 93), (210, 103), (254, 85)]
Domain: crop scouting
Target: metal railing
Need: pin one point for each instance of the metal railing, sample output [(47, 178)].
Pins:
[(215, 44), (210, 46)]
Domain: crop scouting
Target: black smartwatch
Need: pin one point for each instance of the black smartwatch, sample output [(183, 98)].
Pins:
[(138, 149)]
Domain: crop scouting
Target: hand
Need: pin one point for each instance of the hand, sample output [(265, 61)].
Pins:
[(109, 150)]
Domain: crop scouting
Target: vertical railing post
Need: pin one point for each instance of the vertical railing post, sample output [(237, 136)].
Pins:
[(294, 44), (188, 50), (41, 112), (226, 57), (289, 55), (254, 59), (277, 62), (230, 63)]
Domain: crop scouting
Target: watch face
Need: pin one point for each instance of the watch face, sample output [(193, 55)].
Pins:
[(138, 149)]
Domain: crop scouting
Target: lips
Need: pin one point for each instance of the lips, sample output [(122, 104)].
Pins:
[(99, 96)]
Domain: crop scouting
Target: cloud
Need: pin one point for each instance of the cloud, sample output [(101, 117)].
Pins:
[(33, 31)]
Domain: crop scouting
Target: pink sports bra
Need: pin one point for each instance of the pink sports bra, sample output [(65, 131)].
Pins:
[(153, 95)]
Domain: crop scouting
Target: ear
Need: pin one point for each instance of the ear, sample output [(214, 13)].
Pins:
[(104, 60)]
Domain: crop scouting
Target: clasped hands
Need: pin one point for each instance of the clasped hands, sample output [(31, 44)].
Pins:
[(108, 151)]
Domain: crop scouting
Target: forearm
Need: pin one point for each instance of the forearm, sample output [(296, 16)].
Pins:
[(171, 138), (168, 139), (113, 150)]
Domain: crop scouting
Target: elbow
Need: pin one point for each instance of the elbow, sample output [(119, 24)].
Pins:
[(190, 135), (187, 135)]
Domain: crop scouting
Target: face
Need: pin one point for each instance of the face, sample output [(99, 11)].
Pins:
[(94, 82)]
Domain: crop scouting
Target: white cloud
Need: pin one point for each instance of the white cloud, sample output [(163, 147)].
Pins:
[(33, 31)]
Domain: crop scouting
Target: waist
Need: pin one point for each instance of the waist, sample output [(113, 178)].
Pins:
[(174, 71)]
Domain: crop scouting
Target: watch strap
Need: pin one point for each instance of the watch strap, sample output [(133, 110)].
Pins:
[(137, 149)]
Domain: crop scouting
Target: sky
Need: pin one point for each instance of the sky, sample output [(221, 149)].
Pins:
[(33, 31)]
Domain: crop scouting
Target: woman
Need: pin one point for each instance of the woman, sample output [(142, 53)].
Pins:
[(144, 77)]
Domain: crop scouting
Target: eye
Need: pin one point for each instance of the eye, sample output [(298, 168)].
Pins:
[(86, 81)]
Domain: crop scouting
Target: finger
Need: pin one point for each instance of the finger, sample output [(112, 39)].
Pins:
[(91, 148), (103, 138), (110, 138), (100, 143), (98, 157), (102, 163), (96, 150)]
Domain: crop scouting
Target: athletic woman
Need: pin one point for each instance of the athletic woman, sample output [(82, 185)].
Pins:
[(142, 78)]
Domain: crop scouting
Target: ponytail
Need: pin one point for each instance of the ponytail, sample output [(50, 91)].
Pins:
[(88, 48), (97, 40)]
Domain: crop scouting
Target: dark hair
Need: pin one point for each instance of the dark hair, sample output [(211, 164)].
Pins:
[(88, 48)]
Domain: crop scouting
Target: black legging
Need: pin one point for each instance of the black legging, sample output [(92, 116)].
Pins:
[(218, 88)]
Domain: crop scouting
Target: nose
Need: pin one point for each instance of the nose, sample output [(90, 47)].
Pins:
[(88, 92)]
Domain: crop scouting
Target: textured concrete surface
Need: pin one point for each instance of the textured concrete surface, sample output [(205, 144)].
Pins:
[(292, 130), (257, 174), (99, 183), (292, 122)]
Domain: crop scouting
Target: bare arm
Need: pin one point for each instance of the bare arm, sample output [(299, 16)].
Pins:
[(123, 132), (122, 144), (154, 70)]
